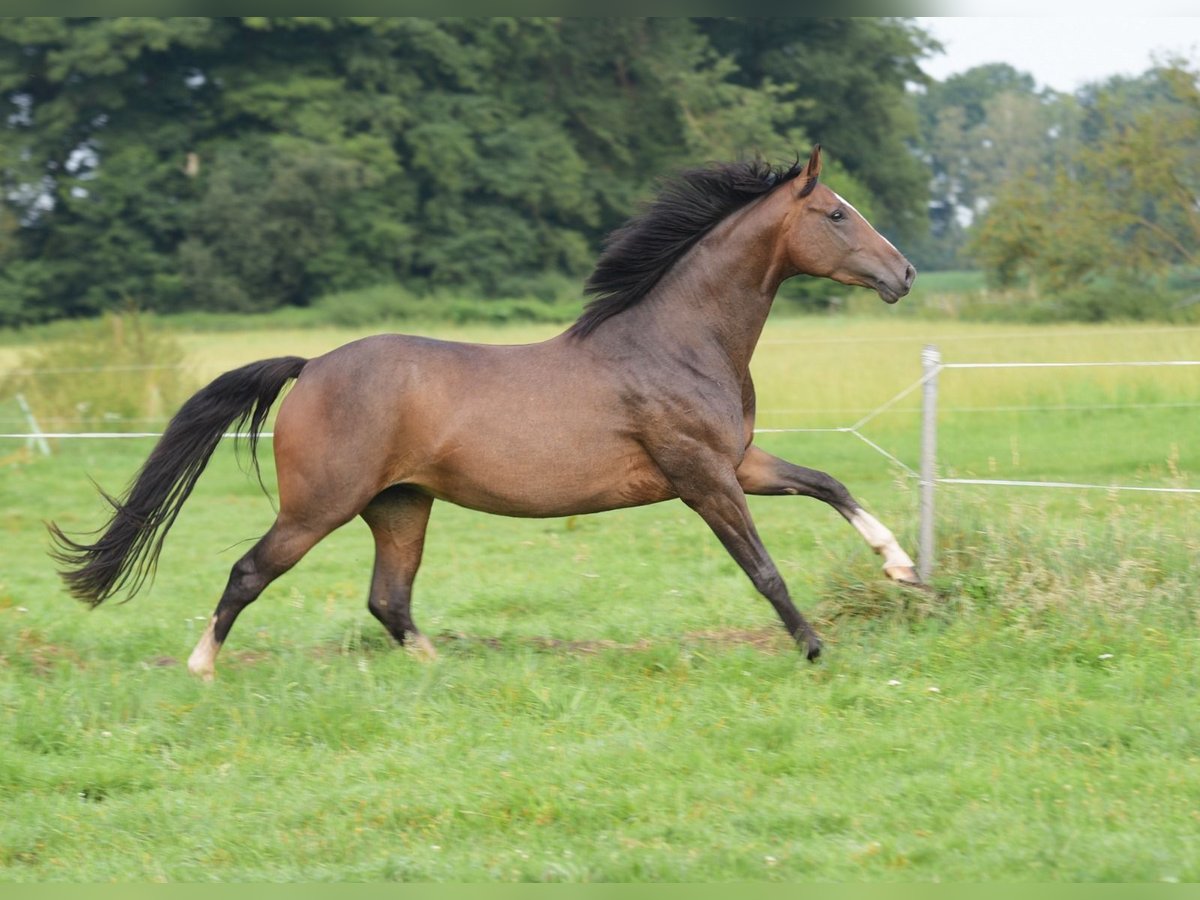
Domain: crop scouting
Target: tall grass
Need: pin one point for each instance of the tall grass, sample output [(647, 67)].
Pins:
[(114, 372)]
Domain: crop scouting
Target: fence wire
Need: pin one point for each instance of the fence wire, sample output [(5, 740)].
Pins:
[(1073, 485), (854, 429)]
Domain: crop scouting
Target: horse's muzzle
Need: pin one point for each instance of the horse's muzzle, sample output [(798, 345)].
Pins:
[(891, 291)]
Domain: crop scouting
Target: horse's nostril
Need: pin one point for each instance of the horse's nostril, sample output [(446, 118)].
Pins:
[(910, 275)]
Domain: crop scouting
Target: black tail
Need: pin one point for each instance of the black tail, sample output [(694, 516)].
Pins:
[(127, 553)]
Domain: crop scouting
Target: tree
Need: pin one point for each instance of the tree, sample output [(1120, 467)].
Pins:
[(1125, 202), (92, 237), (981, 129), (248, 163), (1148, 164)]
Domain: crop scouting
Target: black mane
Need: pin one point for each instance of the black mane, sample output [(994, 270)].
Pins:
[(639, 253)]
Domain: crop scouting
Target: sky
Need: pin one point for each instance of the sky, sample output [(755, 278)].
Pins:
[(1063, 52)]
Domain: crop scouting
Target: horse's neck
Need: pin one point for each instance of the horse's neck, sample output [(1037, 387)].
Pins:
[(721, 291)]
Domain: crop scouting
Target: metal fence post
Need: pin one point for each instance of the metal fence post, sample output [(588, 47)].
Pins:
[(931, 364), (36, 438)]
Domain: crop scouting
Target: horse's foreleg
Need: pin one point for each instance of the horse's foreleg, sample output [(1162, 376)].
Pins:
[(278, 550), (398, 518), (723, 507), (762, 473)]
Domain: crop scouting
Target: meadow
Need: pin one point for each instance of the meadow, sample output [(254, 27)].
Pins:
[(612, 701)]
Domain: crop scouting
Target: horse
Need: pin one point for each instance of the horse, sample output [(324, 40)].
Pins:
[(647, 397)]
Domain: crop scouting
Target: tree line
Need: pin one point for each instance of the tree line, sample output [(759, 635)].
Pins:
[(246, 164), (1062, 191)]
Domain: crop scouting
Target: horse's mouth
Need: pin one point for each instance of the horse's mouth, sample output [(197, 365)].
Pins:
[(889, 294), (891, 290)]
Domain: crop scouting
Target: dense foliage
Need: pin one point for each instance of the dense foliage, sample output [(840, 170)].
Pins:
[(1066, 193), (251, 164), (1119, 200), (246, 164)]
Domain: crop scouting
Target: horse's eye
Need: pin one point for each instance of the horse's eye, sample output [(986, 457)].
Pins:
[(837, 215)]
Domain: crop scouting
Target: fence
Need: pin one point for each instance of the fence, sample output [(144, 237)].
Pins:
[(932, 367), (926, 475)]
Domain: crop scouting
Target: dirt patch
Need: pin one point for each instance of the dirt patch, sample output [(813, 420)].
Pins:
[(42, 656), (238, 658), (771, 639), (233, 658), (539, 643), (767, 640)]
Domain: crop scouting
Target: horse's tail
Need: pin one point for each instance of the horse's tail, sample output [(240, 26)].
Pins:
[(127, 552)]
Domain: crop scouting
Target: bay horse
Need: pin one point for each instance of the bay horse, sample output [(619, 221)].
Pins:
[(646, 397)]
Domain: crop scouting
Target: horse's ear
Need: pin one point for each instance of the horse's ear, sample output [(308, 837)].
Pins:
[(813, 169), (808, 178)]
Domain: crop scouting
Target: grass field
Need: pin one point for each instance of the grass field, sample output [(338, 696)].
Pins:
[(612, 701)]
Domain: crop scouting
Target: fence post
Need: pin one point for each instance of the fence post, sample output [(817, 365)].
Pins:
[(931, 364), (35, 436)]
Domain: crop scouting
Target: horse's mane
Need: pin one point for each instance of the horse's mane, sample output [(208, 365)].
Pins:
[(640, 252)]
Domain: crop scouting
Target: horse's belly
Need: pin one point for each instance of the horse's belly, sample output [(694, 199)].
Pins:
[(541, 484)]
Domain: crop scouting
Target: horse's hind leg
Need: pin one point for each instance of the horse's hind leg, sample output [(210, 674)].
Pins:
[(278, 550), (397, 518), (762, 473)]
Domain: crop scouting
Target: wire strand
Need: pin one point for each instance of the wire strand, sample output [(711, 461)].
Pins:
[(1003, 482)]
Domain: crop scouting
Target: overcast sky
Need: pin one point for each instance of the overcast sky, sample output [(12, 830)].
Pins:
[(1060, 52)]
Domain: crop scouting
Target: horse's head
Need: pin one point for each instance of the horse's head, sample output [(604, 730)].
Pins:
[(827, 237)]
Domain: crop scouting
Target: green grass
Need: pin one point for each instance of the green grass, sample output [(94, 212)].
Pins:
[(612, 701)]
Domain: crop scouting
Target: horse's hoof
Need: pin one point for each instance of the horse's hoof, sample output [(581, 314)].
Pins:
[(205, 674), (202, 663), (420, 646), (814, 648), (905, 575)]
